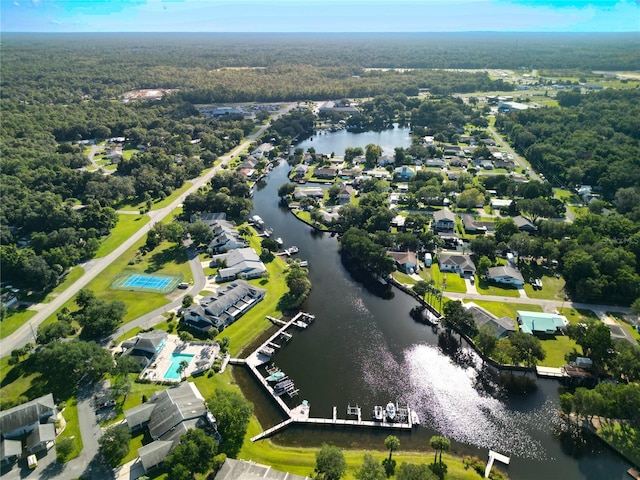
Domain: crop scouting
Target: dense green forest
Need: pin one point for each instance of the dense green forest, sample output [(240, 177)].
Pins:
[(592, 139)]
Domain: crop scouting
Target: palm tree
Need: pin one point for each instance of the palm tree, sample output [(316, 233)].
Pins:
[(392, 443), (439, 444), (182, 367)]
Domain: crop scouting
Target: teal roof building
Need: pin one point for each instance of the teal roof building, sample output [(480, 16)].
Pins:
[(541, 323)]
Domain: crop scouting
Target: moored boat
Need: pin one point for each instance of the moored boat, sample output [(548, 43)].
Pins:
[(390, 411), (276, 377), (378, 413)]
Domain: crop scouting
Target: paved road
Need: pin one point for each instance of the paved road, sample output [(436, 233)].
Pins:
[(94, 267), (518, 159)]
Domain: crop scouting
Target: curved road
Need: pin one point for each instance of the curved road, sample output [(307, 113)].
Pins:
[(94, 267)]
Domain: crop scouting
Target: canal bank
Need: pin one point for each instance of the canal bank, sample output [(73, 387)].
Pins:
[(367, 350)]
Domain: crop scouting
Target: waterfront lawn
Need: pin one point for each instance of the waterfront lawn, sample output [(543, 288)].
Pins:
[(555, 348), (404, 278), (500, 309), (486, 288), (71, 430), (454, 283), (13, 319), (127, 225), (302, 461), (254, 322), (624, 438)]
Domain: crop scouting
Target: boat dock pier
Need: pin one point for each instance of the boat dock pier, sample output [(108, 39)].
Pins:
[(492, 457), (301, 413)]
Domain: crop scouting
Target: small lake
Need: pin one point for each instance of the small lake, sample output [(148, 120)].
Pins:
[(366, 350), (336, 142)]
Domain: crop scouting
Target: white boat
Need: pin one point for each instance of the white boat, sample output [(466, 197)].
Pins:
[(390, 411), (378, 413), (268, 351), (275, 377), (292, 249), (415, 419), (279, 241)]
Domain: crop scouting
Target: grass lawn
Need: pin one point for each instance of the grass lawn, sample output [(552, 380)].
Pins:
[(137, 204), (624, 438), (486, 288), (13, 319), (404, 278), (577, 316), (72, 430), (556, 348), (552, 289), (134, 445), (16, 382), (127, 225), (70, 278), (454, 283), (507, 309), (165, 259), (301, 461)]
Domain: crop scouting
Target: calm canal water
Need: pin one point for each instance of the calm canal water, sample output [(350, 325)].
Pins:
[(366, 350), (337, 142)]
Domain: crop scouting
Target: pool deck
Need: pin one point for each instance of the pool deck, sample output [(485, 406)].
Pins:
[(201, 351)]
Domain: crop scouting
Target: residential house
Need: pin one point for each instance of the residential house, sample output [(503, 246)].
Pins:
[(539, 323), (398, 222), (459, 162), (486, 164), (144, 347), (506, 275), (262, 151), (33, 422), (239, 263), (450, 239), (300, 170), (168, 414), (405, 261), (471, 226), (328, 173), (460, 264), (344, 196), (500, 326), (249, 162), (223, 308), (225, 237), (502, 163), (233, 469), (9, 299), (435, 163), (444, 220), (453, 150), (351, 172), (404, 173), (497, 203), (314, 192), (385, 160), (524, 225), (379, 173), (209, 218)]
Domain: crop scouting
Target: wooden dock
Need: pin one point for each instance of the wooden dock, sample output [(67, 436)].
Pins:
[(550, 372), (493, 456), (300, 414)]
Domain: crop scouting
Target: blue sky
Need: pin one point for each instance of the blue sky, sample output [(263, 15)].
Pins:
[(319, 15)]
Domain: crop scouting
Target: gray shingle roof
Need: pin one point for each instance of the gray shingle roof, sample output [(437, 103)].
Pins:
[(42, 433), (26, 414), (154, 453), (501, 326), (243, 470), (495, 272), (444, 214), (173, 406)]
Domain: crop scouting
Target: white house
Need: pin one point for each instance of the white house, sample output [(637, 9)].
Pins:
[(239, 263), (460, 264), (506, 275)]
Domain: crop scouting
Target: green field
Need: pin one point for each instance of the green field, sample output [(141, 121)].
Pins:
[(13, 319), (486, 288), (127, 225), (72, 429), (577, 316), (624, 438), (552, 288), (500, 309), (556, 348), (452, 281)]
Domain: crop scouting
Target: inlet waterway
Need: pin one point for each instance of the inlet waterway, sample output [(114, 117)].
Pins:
[(364, 349)]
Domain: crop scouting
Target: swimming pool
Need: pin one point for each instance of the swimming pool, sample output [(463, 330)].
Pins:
[(176, 358)]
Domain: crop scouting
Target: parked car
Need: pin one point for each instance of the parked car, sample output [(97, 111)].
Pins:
[(107, 404)]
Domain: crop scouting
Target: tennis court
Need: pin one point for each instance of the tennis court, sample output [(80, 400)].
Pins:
[(144, 282)]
